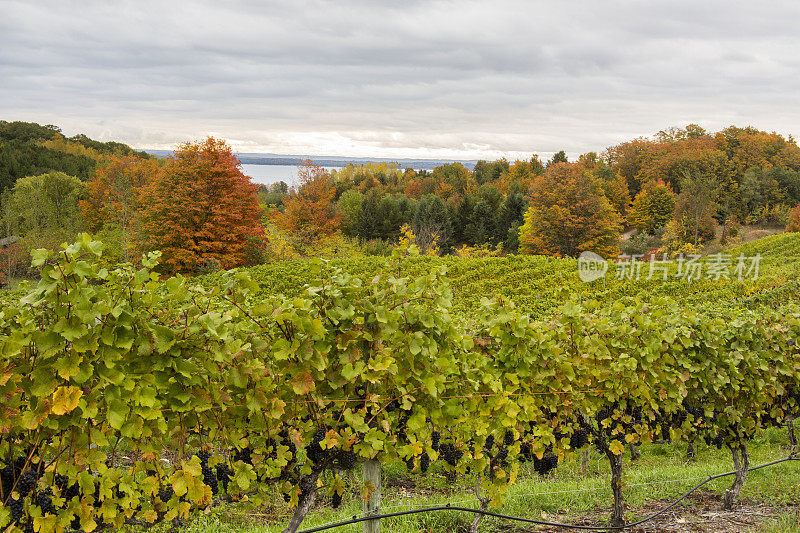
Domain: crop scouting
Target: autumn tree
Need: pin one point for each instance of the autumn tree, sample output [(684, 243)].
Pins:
[(558, 157), (794, 220), (310, 214), (454, 177), (394, 212), (110, 198), (627, 159), (569, 214), (481, 172), (200, 208), (695, 205), (368, 223), (536, 165), (614, 186), (652, 208), (516, 178)]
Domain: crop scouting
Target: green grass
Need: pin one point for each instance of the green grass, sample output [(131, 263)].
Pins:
[(788, 523), (662, 473)]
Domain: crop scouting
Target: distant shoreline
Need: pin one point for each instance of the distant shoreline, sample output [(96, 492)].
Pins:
[(339, 162)]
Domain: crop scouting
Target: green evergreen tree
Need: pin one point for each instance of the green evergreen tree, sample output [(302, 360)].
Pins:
[(509, 218), (432, 219), (368, 225)]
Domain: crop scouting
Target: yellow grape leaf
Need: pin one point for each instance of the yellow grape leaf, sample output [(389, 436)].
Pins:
[(65, 399), (330, 441), (617, 448), (45, 524), (88, 524)]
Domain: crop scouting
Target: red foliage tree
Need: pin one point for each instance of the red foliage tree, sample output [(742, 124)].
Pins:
[(200, 207), (310, 214), (794, 220)]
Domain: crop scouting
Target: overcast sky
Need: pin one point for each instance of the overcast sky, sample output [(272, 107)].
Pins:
[(399, 79)]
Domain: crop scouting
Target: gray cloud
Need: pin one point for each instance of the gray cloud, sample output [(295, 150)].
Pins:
[(438, 78)]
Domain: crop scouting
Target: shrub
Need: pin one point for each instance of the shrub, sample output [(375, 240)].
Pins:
[(639, 244), (209, 266), (776, 215), (376, 247)]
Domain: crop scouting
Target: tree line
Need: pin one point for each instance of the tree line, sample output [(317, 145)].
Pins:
[(678, 190)]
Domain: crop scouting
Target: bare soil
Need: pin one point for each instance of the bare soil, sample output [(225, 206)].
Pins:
[(701, 511)]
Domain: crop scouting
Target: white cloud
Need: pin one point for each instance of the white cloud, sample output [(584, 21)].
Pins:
[(412, 79)]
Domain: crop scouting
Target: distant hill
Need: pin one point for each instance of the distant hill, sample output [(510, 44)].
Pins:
[(331, 161), (29, 149)]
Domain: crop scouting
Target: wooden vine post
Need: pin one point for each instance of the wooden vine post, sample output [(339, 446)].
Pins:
[(372, 474)]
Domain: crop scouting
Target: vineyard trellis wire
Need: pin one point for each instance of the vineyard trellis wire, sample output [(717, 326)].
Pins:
[(450, 507)]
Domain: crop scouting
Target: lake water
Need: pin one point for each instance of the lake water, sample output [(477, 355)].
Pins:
[(269, 174)]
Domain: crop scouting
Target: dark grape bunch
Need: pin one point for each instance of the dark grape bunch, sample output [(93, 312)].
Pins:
[(450, 454), (314, 451), (544, 465), (209, 476), (67, 491), (578, 439), (336, 500), (165, 493), (401, 427), (224, 475), (333, 457), (243, 454), (45, 501), (424, 462), (608, 430), (22, 476), (26, 483), (319, 459), (15, 504), (498, 458)]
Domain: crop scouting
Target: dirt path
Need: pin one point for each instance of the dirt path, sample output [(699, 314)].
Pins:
[(701, 513)]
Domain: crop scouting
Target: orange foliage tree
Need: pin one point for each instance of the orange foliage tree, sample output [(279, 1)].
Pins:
[(794, 220), (652, 208), (310, 214), (110, 197), (569, 214), (201, 207)]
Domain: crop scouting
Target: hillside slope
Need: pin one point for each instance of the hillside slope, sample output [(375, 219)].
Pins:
[(539, 285), (28, 149)]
